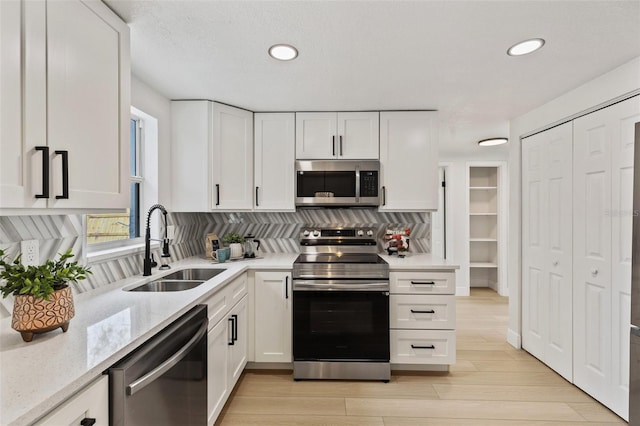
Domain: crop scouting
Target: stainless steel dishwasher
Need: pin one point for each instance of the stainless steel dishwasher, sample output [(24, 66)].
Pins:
[(164, 382)]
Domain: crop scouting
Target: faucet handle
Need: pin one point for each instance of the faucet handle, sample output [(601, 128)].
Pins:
[(153, 261)]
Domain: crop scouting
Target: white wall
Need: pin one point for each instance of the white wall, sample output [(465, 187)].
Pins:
[(154, 104), (618, 82)]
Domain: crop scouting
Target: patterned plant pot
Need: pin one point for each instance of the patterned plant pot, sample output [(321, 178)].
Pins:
[(32, 316)]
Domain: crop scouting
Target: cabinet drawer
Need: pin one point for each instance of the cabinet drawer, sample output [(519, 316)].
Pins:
[(422, 312), (237, 289), (423, 346), (217, 306), (423, 282), (90, 402)]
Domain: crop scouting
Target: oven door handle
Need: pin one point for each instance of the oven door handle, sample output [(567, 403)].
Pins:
[(333, 285), (148, 378)]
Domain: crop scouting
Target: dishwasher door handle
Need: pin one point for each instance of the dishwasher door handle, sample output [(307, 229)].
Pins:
[(148, 378)]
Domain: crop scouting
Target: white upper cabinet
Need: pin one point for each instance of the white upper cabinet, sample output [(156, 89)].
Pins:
[(211, 157), (232, 158), (409, 160), (274, 146), (341, 135), (71, 59)]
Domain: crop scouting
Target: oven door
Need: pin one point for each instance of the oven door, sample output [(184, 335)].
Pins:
[(340, 325)]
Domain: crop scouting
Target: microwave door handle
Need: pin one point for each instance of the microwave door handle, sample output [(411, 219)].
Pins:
[(357, 182)]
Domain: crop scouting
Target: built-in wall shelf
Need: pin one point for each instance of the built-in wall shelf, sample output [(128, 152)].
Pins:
[(483, 226)]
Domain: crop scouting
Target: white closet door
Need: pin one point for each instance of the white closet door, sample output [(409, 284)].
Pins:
[(592, 254), (547, 255), (623, 118)]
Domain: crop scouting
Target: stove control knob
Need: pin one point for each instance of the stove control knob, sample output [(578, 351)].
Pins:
[(316, 233), (305, 232), (360, 232), (369, 233)]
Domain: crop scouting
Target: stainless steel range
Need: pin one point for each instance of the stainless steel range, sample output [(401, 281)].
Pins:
[(340, 306)]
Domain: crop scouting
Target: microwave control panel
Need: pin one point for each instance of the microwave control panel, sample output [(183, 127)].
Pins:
[(368, 183)]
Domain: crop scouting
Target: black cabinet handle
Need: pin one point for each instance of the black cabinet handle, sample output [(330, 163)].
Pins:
[(88, 421), (65, 175), (232, 342), (286, 287), (430, 311), (45, 171), (423, 282), (341, 145), (333, 144), (257, 197), (422, 347), (234, 332), (217, 194), (384, 195)]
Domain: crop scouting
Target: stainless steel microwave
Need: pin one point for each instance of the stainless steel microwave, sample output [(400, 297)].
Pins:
[(337, 183)]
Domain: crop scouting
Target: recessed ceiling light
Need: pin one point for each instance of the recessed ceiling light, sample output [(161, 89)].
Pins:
[(525, 47), (283, 52), (493, 141)]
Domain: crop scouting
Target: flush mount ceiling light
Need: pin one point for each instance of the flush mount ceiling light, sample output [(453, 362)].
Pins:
[(283, 52), (525, 47), (492, 141)]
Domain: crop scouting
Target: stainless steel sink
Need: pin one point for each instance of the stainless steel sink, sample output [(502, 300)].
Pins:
[(185, 279), (202, 274), (162, 285)]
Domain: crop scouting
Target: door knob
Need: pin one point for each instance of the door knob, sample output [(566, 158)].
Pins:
[(594, 272)]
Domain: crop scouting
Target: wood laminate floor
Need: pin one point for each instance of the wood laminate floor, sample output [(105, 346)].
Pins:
[(491, 384)]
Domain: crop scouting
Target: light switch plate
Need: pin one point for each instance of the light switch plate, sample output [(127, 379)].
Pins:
[(30, 252)]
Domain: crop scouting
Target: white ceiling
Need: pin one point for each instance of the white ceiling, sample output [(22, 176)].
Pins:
[(381, 55)]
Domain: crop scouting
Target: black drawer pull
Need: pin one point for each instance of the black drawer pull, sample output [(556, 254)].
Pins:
[(422, 347), (88, 421), (286, 287), (430, 311), (232, 342), (65, 175), (234, 332), (423, 282), (45, 171)]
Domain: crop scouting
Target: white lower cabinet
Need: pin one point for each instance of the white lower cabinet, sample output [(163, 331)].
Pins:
[(273, 302), (227, 343), (91, 403), (422, 317)]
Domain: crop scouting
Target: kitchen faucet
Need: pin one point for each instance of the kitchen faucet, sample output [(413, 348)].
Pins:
[(148, 259)]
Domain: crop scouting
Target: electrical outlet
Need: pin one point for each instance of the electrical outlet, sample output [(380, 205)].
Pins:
[(30, 252), (171, 229)]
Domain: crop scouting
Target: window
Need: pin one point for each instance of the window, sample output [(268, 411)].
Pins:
[(118, 229)]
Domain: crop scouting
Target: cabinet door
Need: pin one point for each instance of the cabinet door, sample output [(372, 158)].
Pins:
[(90, 403), (88, 105), (14, 188), (217, 368), (232, 158), (238, 350), (358, 135), (409, 160), (274, 161), (273, 317), (547, 252), (316, 135), (190, 144)]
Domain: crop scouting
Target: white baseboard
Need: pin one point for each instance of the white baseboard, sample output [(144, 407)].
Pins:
[(514, 339)]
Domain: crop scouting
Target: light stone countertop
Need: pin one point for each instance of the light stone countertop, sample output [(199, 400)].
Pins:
[(109, 323)]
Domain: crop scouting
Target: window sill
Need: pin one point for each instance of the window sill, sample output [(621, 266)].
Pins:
[(100, 256)]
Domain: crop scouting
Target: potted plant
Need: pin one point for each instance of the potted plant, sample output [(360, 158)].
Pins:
[(235, 243), (42, 297)]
